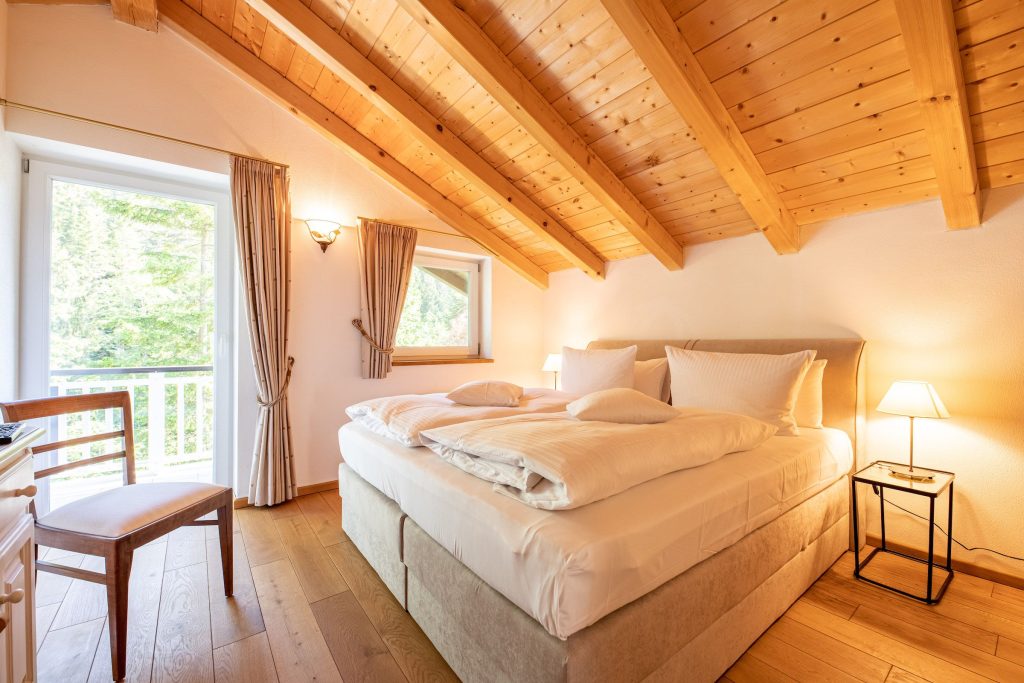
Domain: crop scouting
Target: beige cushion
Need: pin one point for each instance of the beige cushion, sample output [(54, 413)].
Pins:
[(650, 377), (120, 511), (809, 409), (626, 406), (584, 372), (762, 386), (487, 393)]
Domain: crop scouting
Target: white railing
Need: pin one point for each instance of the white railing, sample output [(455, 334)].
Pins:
[(178, 400)]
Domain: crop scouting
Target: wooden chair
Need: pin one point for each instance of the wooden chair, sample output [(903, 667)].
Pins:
[(112, 524)]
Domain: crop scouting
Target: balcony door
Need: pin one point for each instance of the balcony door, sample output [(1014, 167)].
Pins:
[(128, 287)]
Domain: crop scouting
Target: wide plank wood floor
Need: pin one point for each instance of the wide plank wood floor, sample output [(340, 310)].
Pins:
[(307, 607)]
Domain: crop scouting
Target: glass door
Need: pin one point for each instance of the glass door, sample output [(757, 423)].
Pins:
[(134, 301)]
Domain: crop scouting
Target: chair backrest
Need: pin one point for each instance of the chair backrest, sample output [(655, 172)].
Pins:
[(19, 411)]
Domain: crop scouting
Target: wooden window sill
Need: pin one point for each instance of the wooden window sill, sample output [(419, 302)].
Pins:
[(414, 360)]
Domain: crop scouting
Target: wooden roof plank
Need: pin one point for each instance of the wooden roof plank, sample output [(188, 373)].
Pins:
[(471, 47), (269, 81), (310, 33), (929, 32), (656, 38)]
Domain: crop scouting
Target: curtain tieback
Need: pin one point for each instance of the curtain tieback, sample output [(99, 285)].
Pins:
[(284, 388), (358, 324)]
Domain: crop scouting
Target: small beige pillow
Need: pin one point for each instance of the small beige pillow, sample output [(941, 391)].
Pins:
[(650, 377), (809, 410), (487, 393), (627, 406)]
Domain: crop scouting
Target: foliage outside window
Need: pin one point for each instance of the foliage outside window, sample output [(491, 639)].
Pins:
[(441, 315), (132, 286)]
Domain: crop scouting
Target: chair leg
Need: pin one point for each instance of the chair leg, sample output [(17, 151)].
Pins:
[(118, 570), (227, 540)]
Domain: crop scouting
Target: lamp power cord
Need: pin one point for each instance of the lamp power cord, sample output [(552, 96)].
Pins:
[(935, 524)]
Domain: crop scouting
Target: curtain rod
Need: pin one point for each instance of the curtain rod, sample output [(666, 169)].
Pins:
[(105, 124)]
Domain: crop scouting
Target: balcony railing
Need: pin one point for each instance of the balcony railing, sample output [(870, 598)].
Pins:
[(172, 409)]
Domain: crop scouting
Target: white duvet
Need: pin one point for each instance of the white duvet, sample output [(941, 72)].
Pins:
[(403, 418), (556, 462)]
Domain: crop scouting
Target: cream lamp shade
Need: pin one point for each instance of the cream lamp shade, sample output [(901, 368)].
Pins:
[(553, 363), (912, 399)]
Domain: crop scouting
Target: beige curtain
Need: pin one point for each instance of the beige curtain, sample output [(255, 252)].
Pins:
[(385, 265), (259, 195)]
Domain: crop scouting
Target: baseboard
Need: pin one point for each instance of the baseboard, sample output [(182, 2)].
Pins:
[(302, 491), (319, 488), (958, 565)]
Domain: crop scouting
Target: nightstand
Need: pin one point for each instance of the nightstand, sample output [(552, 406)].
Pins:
[(878, 476)]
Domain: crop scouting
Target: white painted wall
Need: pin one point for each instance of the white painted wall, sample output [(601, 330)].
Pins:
[(77, 59), (946, 307), (10, 208)]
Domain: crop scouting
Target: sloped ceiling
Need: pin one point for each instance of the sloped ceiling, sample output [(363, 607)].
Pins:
[(556, 141)]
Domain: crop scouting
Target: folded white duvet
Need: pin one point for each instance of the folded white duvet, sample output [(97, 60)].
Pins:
[(556, 462), (402, 418)]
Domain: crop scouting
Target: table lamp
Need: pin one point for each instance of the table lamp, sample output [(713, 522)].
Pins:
[(553, 363), (912, 399)]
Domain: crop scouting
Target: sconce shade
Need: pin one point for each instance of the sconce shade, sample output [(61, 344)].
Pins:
[(913, 399), (553, 363), (323, 232)]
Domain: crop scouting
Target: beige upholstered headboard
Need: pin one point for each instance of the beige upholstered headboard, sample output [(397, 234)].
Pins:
[(840, 389)]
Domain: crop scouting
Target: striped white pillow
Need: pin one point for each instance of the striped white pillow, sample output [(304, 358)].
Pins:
[(764, 386)]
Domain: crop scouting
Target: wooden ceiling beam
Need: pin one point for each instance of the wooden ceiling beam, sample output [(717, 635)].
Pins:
[(141, 13), (929, 32), (656, 39), (471, 47), (261, 75), (306, 29)]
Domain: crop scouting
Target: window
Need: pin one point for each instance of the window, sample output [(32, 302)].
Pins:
[(129, 286), (441, 316)]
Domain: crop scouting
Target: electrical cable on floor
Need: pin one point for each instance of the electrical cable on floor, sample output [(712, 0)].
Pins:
[(968, 549)]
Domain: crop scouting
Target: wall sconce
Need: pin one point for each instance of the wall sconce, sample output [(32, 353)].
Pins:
[(323, 232)]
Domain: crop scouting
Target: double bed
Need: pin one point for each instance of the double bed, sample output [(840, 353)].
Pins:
[(669, 580)]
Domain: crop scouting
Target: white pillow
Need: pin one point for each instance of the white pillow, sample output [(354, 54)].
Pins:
[(808, 410), (627, 406), (584, 372), (487, 393), (760, 385), (649, 377)]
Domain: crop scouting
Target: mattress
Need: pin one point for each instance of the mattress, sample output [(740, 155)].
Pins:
[(569, 568)]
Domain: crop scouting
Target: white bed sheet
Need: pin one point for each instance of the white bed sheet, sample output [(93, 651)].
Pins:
[(569, 568)]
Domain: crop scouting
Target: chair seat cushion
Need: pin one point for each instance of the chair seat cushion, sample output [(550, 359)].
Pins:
[(120, 511)]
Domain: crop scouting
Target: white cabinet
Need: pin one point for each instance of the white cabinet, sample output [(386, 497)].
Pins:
[(17, 563), (17, 603)]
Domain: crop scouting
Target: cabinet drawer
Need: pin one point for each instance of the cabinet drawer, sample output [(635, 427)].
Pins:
[(17, 478)]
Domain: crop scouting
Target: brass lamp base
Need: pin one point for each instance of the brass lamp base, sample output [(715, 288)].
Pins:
[(910, 475)]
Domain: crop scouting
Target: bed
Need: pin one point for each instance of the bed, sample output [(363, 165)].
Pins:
[(670, 580)]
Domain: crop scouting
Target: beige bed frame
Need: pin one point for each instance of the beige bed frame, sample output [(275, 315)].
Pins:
[(691, 628)]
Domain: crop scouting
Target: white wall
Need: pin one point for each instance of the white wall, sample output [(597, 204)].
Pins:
[(77, 59), (10, 208), (938, 305)]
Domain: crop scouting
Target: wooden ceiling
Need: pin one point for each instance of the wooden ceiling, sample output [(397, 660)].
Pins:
[(566, 133)]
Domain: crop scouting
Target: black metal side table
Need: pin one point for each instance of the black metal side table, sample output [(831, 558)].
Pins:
[(878, 475)]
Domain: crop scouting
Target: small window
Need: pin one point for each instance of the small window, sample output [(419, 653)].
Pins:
[(441, 316)]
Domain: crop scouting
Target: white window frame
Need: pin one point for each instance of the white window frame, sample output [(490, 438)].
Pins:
[(37, 233), (473, 267)]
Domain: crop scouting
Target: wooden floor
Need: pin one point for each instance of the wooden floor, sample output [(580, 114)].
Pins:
[(307, 607)]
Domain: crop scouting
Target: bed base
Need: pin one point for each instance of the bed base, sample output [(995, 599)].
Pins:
[(692, 628)]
